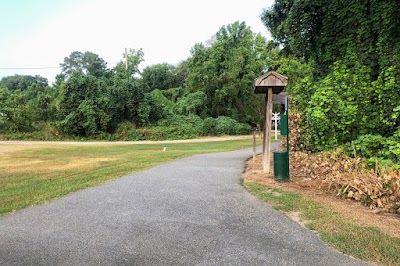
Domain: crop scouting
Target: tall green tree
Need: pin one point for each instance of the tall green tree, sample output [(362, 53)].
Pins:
[(161, 77), (130, 68), (85, 63), (130, 101), (22, 82), (225, 72)]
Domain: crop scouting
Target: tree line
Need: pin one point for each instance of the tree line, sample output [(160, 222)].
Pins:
[(209, 93)]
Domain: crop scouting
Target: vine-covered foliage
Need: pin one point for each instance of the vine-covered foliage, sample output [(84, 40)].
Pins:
[(347, 53), (366, 31)]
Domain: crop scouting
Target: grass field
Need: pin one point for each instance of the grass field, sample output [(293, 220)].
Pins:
[(364, 242), (37, 173)]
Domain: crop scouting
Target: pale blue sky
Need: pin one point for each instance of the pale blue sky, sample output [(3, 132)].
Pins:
[(40, 33)]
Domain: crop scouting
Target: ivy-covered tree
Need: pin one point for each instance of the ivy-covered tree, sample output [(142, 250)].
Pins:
[(353, 89), (84, 106), (347, 30), (22, 102), (17, 114), (192, 103)]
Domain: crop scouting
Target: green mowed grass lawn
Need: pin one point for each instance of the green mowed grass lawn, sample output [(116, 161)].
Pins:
[(37, 173)]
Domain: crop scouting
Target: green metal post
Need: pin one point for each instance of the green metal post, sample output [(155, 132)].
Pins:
[(287, 141), (287, 136)]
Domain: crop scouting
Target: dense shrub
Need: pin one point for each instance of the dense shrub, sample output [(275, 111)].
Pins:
[(367, 146), (376, 147), (182, 127), (178, 127), (224, 126), (209, 126)]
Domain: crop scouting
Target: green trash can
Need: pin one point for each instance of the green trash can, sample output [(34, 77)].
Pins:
[(281, 165)]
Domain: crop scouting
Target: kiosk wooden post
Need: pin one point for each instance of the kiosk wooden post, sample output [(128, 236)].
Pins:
[(267, 132)]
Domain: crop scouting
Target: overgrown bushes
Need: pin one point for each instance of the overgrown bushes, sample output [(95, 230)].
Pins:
[(182, 127), (385, 151), (224, 125)]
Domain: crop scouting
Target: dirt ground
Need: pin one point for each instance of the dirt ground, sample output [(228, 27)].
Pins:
[(206, 139), (389, 223)]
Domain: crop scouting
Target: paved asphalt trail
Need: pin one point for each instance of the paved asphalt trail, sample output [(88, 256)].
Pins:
[(189, 212)]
